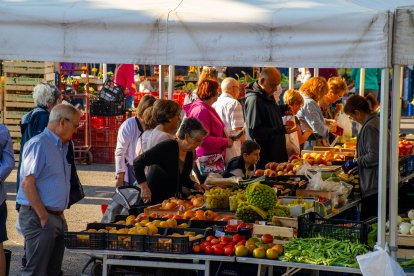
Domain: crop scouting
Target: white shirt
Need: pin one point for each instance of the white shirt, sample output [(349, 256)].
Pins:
[(231, 113), (126, 144), (151, 138)]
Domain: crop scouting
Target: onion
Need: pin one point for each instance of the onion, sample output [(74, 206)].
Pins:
[(411, 214), (412, 230), (399, 220), (405, 228)]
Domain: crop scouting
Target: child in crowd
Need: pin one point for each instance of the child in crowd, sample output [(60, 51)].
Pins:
[(245, 164)]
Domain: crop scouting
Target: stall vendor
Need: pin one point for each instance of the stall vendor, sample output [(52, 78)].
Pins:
[(359, 109), (175, 158)]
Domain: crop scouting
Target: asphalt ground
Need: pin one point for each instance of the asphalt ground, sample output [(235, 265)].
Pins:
[(98, 183)]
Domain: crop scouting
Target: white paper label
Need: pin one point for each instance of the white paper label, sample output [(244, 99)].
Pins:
[(220, 234)]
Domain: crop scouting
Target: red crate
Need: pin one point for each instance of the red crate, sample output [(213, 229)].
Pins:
[(103, 155), (111, 122), (78, 137), (104, 137)]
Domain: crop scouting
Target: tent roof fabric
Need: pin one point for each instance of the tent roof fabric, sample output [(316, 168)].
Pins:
[(403, 42), (294, 33)]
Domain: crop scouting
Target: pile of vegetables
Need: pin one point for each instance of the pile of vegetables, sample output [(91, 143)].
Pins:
[(323, 251), (261, 196), (249, 213), (405, 225)]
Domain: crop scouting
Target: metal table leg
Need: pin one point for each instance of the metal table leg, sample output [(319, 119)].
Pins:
[(104, 265)]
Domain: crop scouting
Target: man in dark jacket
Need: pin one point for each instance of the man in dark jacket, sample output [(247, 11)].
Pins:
[(264, 118)]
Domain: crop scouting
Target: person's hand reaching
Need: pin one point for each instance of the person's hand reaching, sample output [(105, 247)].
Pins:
[(145, 192)]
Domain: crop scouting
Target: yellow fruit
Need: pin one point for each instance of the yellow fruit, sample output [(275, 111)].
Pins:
[(123, 231), (164, 224), (122, 222), (156, 222), (172, 222), (129, 220), (183, 225), (144, 222), (113, 231), (102, 231), (91, 231), (152, 229), (142, 231)]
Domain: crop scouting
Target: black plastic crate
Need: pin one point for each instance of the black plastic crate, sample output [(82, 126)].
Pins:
[(85, 240), (125, 242), (313, 225), (173, 244), (403, 166), (111, 91), (203, 224), (107, 108)]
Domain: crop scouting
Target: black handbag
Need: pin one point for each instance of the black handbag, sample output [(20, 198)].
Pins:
[(76, 189)]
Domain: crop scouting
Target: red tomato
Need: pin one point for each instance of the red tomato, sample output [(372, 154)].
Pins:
[(196, 248), (242, 242), (209, 238), (229, 250), (217, 246), (219, 251), (242, 225), (237, 237), (225, 239), (215, 241), (202, 247), (223, 244), (209, 249)]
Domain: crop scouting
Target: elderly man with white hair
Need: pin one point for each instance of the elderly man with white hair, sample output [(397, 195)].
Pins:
[(231, 113)]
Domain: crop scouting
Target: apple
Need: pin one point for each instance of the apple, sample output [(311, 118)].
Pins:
[(273, 174), (267, 166), (279, 168), (196, 248), (306, 155), (267, 238), (237, 238), (218, 251), (279, 248), (241, 251), (259, 253), (273, 166), (209, 249), (272, 254), (293, 157), (259, 173)]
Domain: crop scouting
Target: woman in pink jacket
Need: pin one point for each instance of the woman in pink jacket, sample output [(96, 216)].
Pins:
[(124, 76), (201, 109)]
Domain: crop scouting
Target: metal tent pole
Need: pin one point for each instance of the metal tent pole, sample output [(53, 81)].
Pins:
[(362, 82), (161, 83), (394, 175), (315, 72), (383, 157), (104, 72), (171, 77), (291, 78)]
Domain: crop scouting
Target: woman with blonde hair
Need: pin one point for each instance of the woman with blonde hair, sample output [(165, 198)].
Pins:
[(312, 92), (294, 140), (336, 90)]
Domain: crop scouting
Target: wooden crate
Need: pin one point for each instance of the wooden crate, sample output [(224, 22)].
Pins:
[(30, 81), (285, 222), (402, 240), (280, 234), (28, 67), (156, 209)]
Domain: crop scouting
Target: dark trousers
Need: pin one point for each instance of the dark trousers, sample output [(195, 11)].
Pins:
[(45, 247)]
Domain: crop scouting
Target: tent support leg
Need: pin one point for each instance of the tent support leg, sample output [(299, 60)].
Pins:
[(171, 77), (383, 156), (394, 176), (161, 83)]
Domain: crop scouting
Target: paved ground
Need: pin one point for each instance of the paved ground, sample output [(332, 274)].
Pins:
[(98, 182)]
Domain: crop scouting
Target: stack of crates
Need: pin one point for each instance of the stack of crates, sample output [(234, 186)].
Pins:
[(178, 96), (20, 77), (104, 132)]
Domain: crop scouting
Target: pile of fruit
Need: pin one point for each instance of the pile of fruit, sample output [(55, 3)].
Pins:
[(260, 199), (273, 169), (237, 245), (181, 204), (324, 158), (217, 198), (405, 148)]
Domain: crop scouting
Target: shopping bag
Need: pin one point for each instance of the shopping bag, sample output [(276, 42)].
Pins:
[(345, 123), (213, 163), (145, 86), (379, 263)]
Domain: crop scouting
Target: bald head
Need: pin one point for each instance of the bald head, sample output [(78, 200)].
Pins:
[(231, 86), (269, 79)]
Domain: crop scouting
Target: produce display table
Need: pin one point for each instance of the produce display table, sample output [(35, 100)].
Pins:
[(293, 268), (110, 258)]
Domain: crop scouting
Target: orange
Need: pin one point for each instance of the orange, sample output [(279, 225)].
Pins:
[(188, 214)]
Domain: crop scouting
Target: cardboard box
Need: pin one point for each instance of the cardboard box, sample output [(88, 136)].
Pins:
[(322, 208), (297, 210)]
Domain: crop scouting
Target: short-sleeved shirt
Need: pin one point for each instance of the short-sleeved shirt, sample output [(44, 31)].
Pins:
[(44, 157), (6, 159)]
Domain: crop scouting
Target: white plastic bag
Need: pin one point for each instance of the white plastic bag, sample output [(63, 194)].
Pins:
[(379, 263), (344, 122), (145, 86)]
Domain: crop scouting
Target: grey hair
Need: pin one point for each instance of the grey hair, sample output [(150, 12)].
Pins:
[(191, 126), (45, 95), (227, 84), (63, 111)]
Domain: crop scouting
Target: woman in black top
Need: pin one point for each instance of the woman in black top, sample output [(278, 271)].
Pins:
[(175, 158)]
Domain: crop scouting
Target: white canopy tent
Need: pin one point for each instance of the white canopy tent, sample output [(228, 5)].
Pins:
[(286, 33), (310, 33)]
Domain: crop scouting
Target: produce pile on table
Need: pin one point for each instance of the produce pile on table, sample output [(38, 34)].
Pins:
[(323, 251)]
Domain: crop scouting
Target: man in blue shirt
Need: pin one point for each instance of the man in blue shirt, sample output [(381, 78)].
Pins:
[(44, 194), (6, 166)]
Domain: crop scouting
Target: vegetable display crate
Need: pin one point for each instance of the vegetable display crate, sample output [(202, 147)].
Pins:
[(280, 234), (168, 243), (127, 242), (111, 122), (104, 137), (107, 108), (314, 225)]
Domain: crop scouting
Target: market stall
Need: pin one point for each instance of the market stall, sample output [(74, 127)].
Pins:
[(276, 33)]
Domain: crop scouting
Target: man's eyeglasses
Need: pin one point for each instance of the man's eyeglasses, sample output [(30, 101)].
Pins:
[(75, 125)]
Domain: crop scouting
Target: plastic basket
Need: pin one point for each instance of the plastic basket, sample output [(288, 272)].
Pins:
[(85, 240), (173, 244), (107, 108), (403, 166), (111, 91), (128, 242), (313, 225)]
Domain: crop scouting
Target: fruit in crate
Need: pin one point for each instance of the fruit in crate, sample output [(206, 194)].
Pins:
[(261, 196), (249, 213), (259, 253), (217, 198), (278, 211), (405, 148), (241, 251)]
